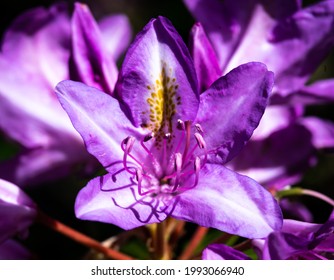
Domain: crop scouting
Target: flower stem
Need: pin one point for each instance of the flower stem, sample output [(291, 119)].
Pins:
[(80, 237), (194, 242), (318, 195), (301, 191), (223, 238), (247, 244), (177, 233), (160, 242)]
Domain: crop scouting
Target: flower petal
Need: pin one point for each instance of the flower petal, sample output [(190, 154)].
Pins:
[(116, 34), (228, 26), (229, 202), (281, 246), (270, 161), (283, 48), (88, 109), (205, 60), (91, 62), (33, 58), (17, 210), (319, 92), (322, 132), (278, 34), (308, 33), (41, 165), (295, 210), (42, 121), (39, 42), (276, 117), (232, 107), (12, 250), (222, 252), (114, 199), (301, 229), (157, 83)]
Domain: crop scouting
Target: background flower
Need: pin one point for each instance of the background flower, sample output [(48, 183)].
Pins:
[(17, 213), (41, 48), (292, 41)]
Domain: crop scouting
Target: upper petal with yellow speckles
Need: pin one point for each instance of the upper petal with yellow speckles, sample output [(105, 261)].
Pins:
[(157, 83)]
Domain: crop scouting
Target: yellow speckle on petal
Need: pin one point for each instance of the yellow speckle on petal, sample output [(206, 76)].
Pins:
[(163, 100)]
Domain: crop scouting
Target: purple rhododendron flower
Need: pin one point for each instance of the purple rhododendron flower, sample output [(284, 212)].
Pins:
[(41, 48), (292, 41), (301, 240), (158, 139), (17, 213), (296, 240)]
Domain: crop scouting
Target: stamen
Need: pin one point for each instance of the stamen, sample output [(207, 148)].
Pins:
[(141, 201), (199, 128), (139, 177), (197, 168), (180, 142), (180, 125), (187, 126), (178, 167), (155, 163), (200, 141), (167, 136), (128, 143), (149, 136)]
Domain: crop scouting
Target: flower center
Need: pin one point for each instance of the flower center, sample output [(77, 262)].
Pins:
[(170, 169)]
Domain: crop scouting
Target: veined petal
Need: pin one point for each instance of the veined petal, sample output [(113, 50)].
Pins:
[(88, 109), (17, 210), (222, 252), (229, 202), (157, 83), (205, 60), (114, 199), (116, 34), (232, 107), (91, 62)]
